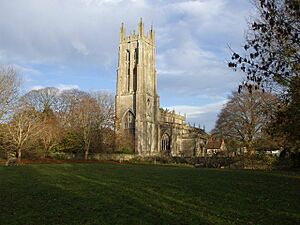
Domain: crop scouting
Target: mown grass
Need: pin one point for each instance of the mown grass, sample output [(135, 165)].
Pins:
[(145, 194)]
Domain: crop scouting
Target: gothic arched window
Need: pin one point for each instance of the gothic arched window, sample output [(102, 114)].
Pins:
[(166, 143), (129, 121)]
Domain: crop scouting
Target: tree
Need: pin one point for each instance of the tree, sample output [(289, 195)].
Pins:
[(46, 102), (105, 134), (286, 121), (24, 125), (271, 60), (9, 91), (81, 114), (106, 105), (244, 117), (272, 49), (43, 100), (85, 114), (67, 100), (51, 133)]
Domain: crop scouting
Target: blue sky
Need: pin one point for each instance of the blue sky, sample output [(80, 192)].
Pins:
[(74, 44)]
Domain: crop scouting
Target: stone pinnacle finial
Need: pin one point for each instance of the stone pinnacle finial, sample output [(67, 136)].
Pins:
[(141, 28), (122, 32), (152, 33)]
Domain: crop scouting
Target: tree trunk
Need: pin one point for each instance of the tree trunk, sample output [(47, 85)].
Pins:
[(19, 155), (46, 152), (86, 153)]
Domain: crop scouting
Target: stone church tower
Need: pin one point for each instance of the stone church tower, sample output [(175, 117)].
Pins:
[(137, 102), (151, 129)]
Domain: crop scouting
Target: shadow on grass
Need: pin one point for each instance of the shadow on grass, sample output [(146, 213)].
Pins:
[(134, 194)]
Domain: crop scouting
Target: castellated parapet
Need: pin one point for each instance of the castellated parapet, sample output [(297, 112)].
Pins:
[(149, 37)]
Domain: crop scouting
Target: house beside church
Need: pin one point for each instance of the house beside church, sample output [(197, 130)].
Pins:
[(215, 146)]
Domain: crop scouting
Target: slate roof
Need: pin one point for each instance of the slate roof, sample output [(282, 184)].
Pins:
[(214, 143)]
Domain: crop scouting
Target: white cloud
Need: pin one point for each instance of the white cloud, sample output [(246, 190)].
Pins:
[(196, 71), (80, 48), (168, 72), (196, 111), (61, 87), (205, 115), (203, 9), (67, 86), (36, 87)]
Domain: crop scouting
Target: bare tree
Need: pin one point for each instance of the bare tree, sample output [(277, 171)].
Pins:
[(66, 101), (42, 100), (106, 105), (24, 125), (85, 114), (46, 102), (244, 117), (51, 133), (105, 135), (9, 90), (80, 113)]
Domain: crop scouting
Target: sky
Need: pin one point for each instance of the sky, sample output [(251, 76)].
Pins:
[(74, 44)]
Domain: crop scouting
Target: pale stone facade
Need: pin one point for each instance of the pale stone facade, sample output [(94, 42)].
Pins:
[(155, 131)]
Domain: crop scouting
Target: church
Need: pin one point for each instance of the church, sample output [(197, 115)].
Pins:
[(154, 131)]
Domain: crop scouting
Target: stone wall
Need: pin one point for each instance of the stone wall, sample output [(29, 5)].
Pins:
[(112, 157)]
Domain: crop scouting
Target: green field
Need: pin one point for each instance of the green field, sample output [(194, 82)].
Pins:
[(145, 194)]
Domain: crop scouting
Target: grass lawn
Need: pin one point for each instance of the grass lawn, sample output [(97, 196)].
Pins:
[(145, 194)]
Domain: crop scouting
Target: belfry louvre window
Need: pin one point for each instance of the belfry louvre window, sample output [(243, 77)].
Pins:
[(127, 56), (136, 56), (128, 69)]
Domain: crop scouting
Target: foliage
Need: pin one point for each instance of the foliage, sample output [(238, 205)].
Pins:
[(70, 143), (272, 45), (288, 160), (126, 150), (286, 121), (271, 60), (124, 142)]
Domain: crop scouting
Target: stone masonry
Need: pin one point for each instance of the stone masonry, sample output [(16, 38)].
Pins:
[(154, 131)]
